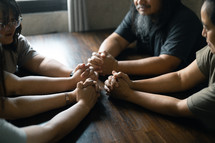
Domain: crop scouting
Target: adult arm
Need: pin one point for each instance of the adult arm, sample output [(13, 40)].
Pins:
[(25, 106), (114, 44), (158, 103), (172, 82), (43, 85), (65, 121), (149, 66), (48, 67)]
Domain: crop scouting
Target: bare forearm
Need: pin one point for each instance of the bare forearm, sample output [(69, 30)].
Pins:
[(110, 47), (38, 85), (26, 106), (158, 103), (58, 126), (166, 83), (51, 67), (146, 66), (114, 44)]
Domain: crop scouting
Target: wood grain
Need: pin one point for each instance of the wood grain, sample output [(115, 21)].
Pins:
[(111, 120)]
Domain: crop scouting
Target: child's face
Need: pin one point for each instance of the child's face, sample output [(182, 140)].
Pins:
[(8, 30)]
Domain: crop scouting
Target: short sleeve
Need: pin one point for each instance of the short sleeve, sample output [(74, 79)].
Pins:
[(203, 62), (25, 51), (125, 28), (202, 105), (10, 133), (181, 39)]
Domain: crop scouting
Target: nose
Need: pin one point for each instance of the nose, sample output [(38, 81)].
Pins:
[(204, 33)]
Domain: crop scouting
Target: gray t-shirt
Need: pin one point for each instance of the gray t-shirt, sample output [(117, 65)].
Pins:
[(181, 37), (18, 58), (202, 103), (10, 133)]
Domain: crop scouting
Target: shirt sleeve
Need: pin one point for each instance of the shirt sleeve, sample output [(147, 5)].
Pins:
[(203, 62), (10, 133), (125, 28), (25, 51), (202, 105), (182, 38)]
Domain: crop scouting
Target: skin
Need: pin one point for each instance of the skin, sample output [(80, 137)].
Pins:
[(85, 96), (208, 28), (144, 92), (104, 61), (44, 85), (148, 7), (49, 68)]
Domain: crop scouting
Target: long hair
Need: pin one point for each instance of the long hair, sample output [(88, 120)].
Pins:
[(2, 83), (211, 11), (5, 7), (169, 7)]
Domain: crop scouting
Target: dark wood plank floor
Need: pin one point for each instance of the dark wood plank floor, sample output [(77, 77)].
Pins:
[(111, 120)]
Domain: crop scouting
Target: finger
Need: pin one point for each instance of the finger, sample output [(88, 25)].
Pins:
[(85, 73), (96, 74), (79, 66), (80, 85), (118, 74), (88, 82), (107, 89), (95, 54), (114, 83), (108, 83), (103, 54)]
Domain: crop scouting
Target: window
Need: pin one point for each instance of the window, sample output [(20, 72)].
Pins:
[(32, 6)]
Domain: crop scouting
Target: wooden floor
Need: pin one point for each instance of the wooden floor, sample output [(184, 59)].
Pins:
[(111, 120)]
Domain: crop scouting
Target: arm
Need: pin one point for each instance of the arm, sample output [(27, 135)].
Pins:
[(49, 67), (59, 126), (65, 121), (149, 66), (104, 62), (158, 103), (25, 106), (44, 85), (37, 84), (171, 82), (114, 44)]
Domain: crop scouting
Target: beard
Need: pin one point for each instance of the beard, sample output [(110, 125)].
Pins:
[(143, 24)]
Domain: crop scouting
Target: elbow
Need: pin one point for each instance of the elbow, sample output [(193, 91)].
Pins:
[(181, 109), (169, 63)]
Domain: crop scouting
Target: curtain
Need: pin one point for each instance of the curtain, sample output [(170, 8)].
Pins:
[(77, 19)]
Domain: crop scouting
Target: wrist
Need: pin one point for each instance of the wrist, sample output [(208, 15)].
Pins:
[(130, 97), (69, 98), (72, 73), (116, 66), (84, 105)]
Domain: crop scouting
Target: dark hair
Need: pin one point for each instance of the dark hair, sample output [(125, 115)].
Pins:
[(5, 7), (211, 11), (2, 83), (169, 7)]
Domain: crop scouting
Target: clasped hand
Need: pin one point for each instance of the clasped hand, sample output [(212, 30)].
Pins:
[(103, 63), (118, 85)]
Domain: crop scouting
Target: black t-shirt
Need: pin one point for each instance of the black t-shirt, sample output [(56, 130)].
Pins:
[(181, 36)]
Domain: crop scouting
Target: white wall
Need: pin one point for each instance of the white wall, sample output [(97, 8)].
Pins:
[(102, 14), (48, 22)]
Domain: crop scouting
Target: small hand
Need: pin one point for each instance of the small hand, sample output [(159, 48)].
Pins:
[(96, 61), (86, 93)]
